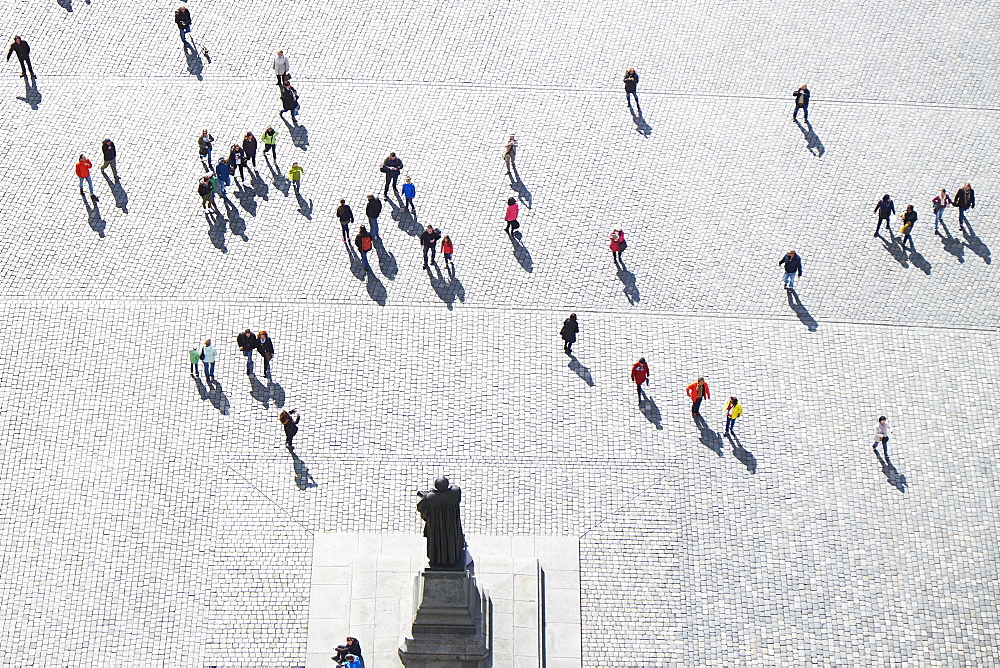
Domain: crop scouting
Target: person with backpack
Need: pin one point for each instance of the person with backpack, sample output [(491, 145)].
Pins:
[(250, 149), (640, 374), (270, 139), (511, 216), (373, 209), (733, 411), (247, 343), (801, 96), (428, 239), (617, 246), (363, 241), (346, 217), (208, 354), (964, 199), (290, 425), (884, 208), (909, 217), (448, 248), (568, 333), (940, 203), (205, 148)]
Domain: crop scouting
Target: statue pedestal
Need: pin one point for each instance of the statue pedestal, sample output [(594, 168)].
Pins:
[(451, 622)]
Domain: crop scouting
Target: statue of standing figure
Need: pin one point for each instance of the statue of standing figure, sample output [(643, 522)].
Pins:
[(443, 525)]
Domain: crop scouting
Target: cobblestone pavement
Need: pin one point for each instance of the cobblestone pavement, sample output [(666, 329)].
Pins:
[(148, 519)]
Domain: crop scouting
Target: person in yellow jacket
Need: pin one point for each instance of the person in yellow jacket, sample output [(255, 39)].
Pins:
[(295, 174), (733, 410)]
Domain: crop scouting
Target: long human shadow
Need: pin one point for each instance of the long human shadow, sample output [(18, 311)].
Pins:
[(259, 391), (65, 4), (952, 245), (800, 310), (918, 260), (580, 370), (742, 454), (216, 228), (247, 198), (236, 224), (298, 133), (628, 282), (121, 197), (386, 260), (280, 182), (517, 185), (305, 208), (213, 393), (94, 218), (448, 289), (376, 289), (892, 248), (651, 411), (303, 479), (813, 144), (357, 268), (892, 476), (976, 245), (195, 65), (521, 253), (641, 126), (405, 220), (708, 436), (258, 185), (31, 94)]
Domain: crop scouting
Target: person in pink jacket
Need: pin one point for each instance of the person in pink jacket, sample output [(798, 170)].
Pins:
[(617, 245), (511, 216)]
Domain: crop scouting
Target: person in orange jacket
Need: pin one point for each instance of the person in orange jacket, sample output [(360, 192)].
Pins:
[(83, 168), (698, 390), (640, 374)]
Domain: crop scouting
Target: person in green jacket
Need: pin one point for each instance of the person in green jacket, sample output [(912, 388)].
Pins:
[(295, 174), (194, 356), (270, 138)]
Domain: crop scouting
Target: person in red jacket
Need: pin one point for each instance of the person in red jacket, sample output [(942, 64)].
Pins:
[(83, 171), (698, 390), (640, 374)]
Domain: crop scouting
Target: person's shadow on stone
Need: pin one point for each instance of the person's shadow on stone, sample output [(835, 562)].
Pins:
[(641, 126), (194, 64), (247, 201), (517, 185), (121, 197), (213, 393), (94, 218), (236, 224), (305, 208), (357, 268), (258, 184), (444, 288), (521, 253), (813, 144), (386, 260), (303, 479), (216, 229), (918, 260), (66, 4), (298, 133), (277, 393), (893, 249), (708, 436), (455, 285), (800, 310), (742, 454), (580, 370), (259, 391), (892, 476), (31, 94), (976, 245), (280, 182), (951, 244), (405, 220), (650, 410), (376, 289), (628, 284)]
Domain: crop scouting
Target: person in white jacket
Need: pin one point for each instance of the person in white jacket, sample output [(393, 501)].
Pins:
[(280, 65), (882, 432)]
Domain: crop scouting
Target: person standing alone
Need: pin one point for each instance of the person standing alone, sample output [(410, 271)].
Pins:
[(373, 209), (640, 375), (801, 96), (510, 153), (390, 167), (733, 411), (291, 426), (698, 391), (21, 48), (568, 333), (295, 176), (511, 216), (631, 83), (882, 432), (182, 17), (346, 217), (280, 65), (83, 171), (793, 266)]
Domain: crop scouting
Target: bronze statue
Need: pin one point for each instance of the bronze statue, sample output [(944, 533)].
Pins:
[(443, 525)]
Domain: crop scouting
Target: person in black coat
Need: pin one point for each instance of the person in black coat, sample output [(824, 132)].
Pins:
[(631, 81), (884, 208), (909, 218), (21, 48), (250, 148), (351, 647), (801, 96), (793, 265), (110, 157), (372, 210), (964, 199), (346, 217), (266, 349), (247, 343), (391, 168), (291, 426), (182, 17), (289, 101), (569, 331), (429, 239)]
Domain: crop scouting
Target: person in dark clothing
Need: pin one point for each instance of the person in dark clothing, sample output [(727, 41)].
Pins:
[(964, 199), (182, 17), (351, 647), (909, 217), (247, 343), (207, 194), (390, 167), (289, 101), (21, 48), (428, 239), (372, 210), (793, 266), (631, 81), (266, 349), (346, 217), (885, 208), (291, 426), (205, 148), (363, 242), (250, 148), (569, 331), (237, 161), (801, 102), (110, 157)]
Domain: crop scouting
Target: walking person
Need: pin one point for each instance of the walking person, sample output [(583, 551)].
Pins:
[(346, 217), (280, 65), (289, 100), (965, 199), (182, 17), (222, 171), (237, 161), (448, 248), (428, 239), (266, 349), (698, 391), (733, 411), (511, 216), (363, 242), (640, 374), (194, 356), (250, 149), (290, 425), (83, 167), (509, 154), (205, 148), (208, 354), (884, 208), (295, 175), (909, 217), (793, 266), (801, 96), (390, 167), (568, 333), (20, 48), (207, 192), (940, 203), (110, 157), (631, 83), (409, 192), (882, 432), (270, 139), (618, 246), (373, 209), (247, 343)]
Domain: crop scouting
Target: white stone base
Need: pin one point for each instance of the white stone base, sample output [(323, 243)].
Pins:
[(363, 586)]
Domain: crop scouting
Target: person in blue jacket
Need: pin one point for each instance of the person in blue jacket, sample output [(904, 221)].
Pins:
[(222, 171), (409, 192)]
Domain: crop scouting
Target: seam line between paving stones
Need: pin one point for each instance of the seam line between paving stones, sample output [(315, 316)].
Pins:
[(264, 494)]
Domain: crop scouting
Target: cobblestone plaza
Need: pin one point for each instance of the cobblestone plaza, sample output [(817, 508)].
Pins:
[(148, 519)]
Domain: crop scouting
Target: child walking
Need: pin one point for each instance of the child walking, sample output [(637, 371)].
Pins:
[(447, 247)]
